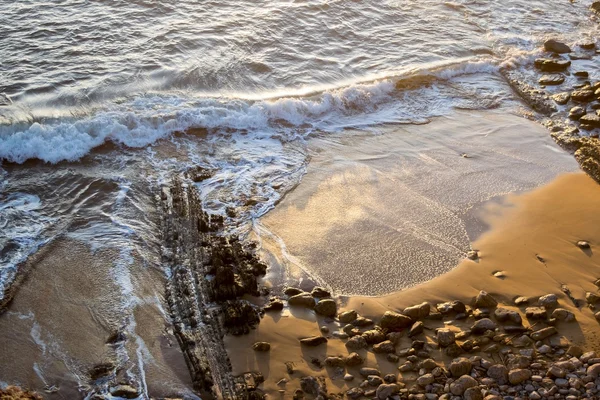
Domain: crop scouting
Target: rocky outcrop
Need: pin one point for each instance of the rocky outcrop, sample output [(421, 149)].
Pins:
[(210, 272)]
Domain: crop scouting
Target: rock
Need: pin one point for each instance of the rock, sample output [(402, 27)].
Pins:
[(506, 315), (418, 311), (499, 373), (544, 333), (373, 336), (335, 362), (459, 386), (548, 301), (581, 74), (552, 64), (353, 359), (591, 120), (453, 350), (125, 392), (593, 370), (560, 314), (519, 375), (592, 298), (595, 6), (261, 346), (577, 112), (416, 329), (326, 307), (395, 321), (536, 313), (473, 393), (426, 379), (292, 291), (366, 371), (374, 380), (445, 337), (310, 385), (561, 98), (556, 46), (483, 325), (302, 300), (356, 343), (588, 45), (384, 347), (362, 322), (485, 300), (101, 370), (551, 79), (460, 366), (582, 95), (347, 317), (274, 305), (313, 341), (320, 292), (582, 244), (355, 393), (386, 391), (451, 306), (580, 56), (473, 255), (348, 377)]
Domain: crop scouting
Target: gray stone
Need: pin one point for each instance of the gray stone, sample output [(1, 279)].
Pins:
[(483, 325), (519, 375), (506, 315), (551, 79), (556, 47), (544, 333), (560, 314), (499, 373)]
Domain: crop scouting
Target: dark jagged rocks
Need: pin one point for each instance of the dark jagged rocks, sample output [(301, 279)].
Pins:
[(210, 272)]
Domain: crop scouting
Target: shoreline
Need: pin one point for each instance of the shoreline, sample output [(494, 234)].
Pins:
[(561, 256)]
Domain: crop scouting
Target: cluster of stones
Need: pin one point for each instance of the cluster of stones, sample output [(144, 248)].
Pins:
[(535, 362)]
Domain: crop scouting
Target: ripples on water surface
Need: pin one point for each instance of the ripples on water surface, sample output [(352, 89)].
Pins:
[(247, 81)]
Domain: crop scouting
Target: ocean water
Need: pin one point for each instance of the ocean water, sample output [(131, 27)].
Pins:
[(101, 101)]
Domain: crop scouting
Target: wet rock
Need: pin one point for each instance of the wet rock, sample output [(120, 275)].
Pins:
[(274, 305), (548, 301), (587, 45), (473, 255), (577, 112), (384, 347), (581, 74), (386, 391), (595, 6), (592, 298), (313, 341), (347, 317), (552, 64), (416, 329), (560, 314), (519, 375), (362, 322), (459, 386), (556, 47), (445, 337), (499, 373), (418, 311), (483, 325), (451, 307), (506, 315), (353, 359), (591, 120), (356, 343), (326, 307), (335, 362), (544, 333), (302, 300), (537, 99), (561, 98), (125, 392), (395, 321), (320, 292), (366, 371), (292, 291), (355, 393), (261, 346), (459, 367), (536, 313), (582, 95), (373, 336), (485, 300), (551, 79)]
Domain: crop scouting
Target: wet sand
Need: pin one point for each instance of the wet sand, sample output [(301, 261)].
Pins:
[(527, 232), (400, 206)]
